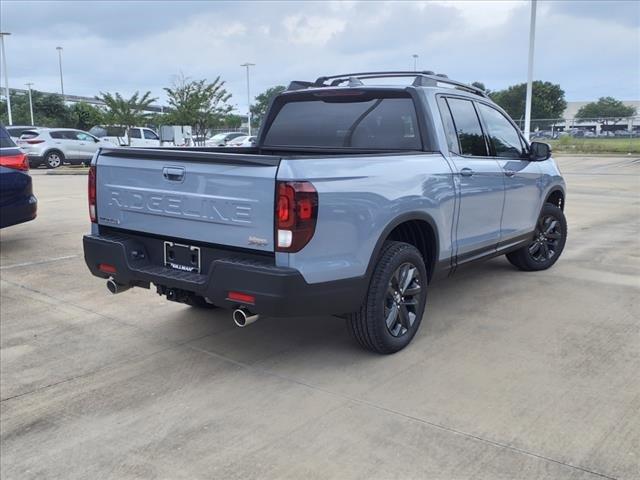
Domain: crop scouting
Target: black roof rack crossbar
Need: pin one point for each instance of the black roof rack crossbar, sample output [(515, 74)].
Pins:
[(422, 79)]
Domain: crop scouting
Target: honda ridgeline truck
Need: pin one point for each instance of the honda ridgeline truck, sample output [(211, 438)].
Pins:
[(356, 197)]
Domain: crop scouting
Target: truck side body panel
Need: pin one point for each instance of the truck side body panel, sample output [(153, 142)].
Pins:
[(359, 198)]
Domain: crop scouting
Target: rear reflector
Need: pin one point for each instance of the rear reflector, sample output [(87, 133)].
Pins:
[(35, 141), (241, 297), (106, 268), (15, 162)]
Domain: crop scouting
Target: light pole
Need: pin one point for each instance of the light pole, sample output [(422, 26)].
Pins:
[(6, 77), (415, 62), (247, 65), (59, 49), (532, 36), (30, 102)]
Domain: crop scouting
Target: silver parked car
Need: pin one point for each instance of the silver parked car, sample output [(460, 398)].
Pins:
[(222, 139), (55, 146)]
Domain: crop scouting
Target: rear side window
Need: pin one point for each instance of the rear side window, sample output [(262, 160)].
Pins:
[(467, 127), (134, 133), (5, 139), (502, 134), (346, 122), (28, 135)]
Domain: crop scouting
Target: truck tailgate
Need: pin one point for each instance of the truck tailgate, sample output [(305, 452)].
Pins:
[(218, 198)]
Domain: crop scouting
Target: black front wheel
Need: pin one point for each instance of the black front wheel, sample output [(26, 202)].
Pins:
[(547, 244), (392, 310)]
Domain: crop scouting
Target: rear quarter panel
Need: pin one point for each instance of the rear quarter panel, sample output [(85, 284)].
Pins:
[(358, 198)]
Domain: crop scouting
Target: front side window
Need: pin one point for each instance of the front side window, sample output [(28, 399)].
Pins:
[(83, 137), (502, 134), (343, 121), (467, 127), (149, 135)]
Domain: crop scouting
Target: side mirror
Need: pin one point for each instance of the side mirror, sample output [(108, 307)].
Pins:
[(539, 151)]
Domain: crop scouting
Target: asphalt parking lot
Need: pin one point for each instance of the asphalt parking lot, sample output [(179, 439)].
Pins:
[(512, 375)]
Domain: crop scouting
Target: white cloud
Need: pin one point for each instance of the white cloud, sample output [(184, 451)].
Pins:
[(312, 30), (591, 52)]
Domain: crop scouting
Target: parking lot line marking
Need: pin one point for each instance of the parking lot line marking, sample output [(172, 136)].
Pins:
[(38, 262), (367, 403)]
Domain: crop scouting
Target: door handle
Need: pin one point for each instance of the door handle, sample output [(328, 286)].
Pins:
[(174, 174), (509, 173), (466, 172)]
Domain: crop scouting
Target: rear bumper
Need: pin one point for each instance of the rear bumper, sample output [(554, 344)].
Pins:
[(278, 291), (20, 211)]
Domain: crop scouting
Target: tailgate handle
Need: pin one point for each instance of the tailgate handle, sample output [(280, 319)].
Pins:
[(175, 174)]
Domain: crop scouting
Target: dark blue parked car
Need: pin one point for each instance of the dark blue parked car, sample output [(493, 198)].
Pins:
[(17, 202)]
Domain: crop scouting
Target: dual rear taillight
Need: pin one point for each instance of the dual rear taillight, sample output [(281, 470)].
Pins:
[(15, 162), (296, 214), (92, 194)]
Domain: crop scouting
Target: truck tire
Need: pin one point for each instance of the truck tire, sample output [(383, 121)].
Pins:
[(392, 309), (546, 247)]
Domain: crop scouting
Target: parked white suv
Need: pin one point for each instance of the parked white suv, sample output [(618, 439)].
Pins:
[(55, 146)]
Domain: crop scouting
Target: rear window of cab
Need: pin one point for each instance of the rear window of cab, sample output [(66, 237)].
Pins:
[(349, 121)]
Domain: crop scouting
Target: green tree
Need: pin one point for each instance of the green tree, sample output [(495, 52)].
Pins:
[(49, 110), (198, 103), (85, 116), (262, 101), (606, 109), (547, 102), (126, 112)]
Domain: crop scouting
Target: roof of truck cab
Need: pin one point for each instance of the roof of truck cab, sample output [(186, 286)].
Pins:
[(386, 88)]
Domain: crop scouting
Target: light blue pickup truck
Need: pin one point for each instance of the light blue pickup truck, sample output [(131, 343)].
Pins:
[(359, 193)]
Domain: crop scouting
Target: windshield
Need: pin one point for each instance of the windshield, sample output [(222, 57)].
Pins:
[(346, 121)]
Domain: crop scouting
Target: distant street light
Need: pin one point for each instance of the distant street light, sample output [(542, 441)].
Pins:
[(30, 102), (59, 49), (532, 36), (6, 77), (247, 65), (415, 62)]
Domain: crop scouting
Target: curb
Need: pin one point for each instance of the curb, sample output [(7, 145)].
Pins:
[(64, 171)]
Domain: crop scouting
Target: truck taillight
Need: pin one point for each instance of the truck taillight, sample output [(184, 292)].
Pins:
[(92, 194), (296, 214)]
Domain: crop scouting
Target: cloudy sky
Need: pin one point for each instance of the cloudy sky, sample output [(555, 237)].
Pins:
[(590, 48)]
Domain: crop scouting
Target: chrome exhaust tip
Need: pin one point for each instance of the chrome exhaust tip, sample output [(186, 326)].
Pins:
[(243, 317), (115, 287)]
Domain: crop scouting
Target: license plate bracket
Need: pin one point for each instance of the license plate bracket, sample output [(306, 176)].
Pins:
[(185, 258)]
